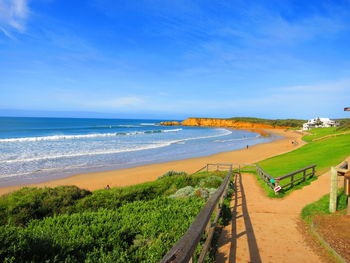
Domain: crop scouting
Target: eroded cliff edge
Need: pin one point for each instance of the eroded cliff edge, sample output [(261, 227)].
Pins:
[(211, 122)]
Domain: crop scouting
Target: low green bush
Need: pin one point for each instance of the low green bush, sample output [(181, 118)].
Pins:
[(116, 197), (138, 223), (21, 206), (211, 182), (141, 231), (172, 173)]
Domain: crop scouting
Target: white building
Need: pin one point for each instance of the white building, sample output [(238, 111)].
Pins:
[(320, 123)]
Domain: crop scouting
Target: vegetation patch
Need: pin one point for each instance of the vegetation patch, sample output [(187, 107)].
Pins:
[(321, 207), (141, 231), (132, 224), (29, 203), (324, 154), (171, 173), (319, 133), (276, 123), (332, 230)]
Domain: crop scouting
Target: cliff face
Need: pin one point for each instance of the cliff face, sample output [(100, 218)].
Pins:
[(226, 123), (170, 123)]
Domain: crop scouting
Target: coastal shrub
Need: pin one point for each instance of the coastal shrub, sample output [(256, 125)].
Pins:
[(117, 197), (202, 193), (21, 206), (185, 192), (190, 191), (211, 182), (172, 173), (28, 203), (142, 231)]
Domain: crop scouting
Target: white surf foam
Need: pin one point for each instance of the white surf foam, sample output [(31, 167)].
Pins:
[(81, 136), (146, 147)]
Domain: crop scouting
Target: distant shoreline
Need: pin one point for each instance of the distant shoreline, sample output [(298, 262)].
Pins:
[(149, 172)]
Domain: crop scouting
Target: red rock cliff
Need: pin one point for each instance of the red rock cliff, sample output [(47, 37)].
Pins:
[(226, 123)]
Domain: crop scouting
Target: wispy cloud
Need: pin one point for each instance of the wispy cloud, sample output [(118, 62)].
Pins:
[(13, 16)]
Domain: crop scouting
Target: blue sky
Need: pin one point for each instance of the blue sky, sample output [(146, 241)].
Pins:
[(175, 58)]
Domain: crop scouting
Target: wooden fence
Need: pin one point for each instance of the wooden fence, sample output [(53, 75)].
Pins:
[(285, 181), (282, 181), (183, 250), (216, 167)]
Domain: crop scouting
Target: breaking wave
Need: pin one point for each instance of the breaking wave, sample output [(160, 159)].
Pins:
[(82, 136)]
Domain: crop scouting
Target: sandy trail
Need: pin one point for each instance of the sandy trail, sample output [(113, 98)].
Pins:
[(264, 229), (140, 174)]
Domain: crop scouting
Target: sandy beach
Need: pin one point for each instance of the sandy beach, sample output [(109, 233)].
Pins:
[(140, 174)]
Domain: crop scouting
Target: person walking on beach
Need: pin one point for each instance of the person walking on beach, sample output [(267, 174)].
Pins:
[(247, 146)]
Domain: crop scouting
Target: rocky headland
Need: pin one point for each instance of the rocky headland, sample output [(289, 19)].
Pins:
[(211, 122)]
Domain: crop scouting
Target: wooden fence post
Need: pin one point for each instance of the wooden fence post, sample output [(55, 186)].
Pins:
[(333, 192)]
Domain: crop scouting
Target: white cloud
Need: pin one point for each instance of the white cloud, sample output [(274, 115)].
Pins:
[(13, 15)]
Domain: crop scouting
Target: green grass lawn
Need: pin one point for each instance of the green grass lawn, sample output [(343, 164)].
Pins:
[(321, 132), (321, 207), (323, 153)]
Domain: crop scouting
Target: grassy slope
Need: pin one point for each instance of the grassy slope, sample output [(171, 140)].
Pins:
[(324, 154), (321, 132), (321, 207)]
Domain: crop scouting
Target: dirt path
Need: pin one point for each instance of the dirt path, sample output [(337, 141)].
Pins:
[(264, 229)]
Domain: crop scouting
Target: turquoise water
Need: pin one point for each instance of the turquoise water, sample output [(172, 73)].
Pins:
[(39, 149)]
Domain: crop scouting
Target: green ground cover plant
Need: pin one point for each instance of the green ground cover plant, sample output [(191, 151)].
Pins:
[(131, 224), (321, 206), (141, 231), (30, 203), (26, 204)]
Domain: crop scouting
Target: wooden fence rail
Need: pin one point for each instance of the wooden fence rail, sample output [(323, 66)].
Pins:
[(216, 167), (184, 249), (295, 177), (306, 172), (264, 176)]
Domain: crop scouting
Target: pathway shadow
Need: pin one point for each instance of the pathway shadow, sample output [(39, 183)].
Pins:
[(240, 200), (252, 244)]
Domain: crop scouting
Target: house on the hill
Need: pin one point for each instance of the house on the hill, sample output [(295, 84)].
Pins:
[(320, 123)]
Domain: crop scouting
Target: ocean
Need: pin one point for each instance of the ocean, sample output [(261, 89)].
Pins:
[(34, 150)]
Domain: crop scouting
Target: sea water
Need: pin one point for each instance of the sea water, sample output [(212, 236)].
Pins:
[(39, 149)]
